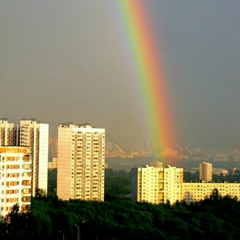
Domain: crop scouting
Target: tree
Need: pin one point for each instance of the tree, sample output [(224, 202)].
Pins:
[(40, 193), (215, 195)]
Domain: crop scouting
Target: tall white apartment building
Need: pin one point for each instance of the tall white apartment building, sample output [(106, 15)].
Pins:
[(15, 178), (81, 161), (205, 172), (157, 184), (35, 136), (147, 184), (173, 179), (6, 133)]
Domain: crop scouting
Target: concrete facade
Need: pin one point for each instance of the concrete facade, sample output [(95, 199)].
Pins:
[(15, 180), (160, 185), (81, 162), (35, 136), (157, 184), (205, 172), (6, 133)]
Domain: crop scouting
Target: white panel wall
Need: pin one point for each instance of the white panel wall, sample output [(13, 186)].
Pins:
[(43, 156)]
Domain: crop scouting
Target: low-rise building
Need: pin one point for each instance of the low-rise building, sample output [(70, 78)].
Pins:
[(157, 185), (194, 192)]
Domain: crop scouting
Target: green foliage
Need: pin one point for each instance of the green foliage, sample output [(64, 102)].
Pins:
[(190, 177), (52, 181), (51, 218), (40, 193), (227, 178), (117, 183)]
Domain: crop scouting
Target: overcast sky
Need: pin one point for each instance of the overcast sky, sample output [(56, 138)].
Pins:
[(62, 61)]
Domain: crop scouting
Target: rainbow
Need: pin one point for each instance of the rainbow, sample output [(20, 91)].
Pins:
[(137, 32)]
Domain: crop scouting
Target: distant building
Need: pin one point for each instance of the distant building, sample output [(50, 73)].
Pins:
[(205, 172), (15, 180), (106, 165), (156, 164), (53, 164), (81, 162)]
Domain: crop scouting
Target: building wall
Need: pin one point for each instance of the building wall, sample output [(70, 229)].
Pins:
[(205, 172), (65, 159), (173, 179), (145, 184), (6, 133), (81, 161), (193, 192), (35, 136), (43, 156), (157, 185), (15, 180), (160, 185)]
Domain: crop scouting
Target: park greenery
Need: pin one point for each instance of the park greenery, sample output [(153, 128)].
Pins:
[(51, 218), (119, 218)]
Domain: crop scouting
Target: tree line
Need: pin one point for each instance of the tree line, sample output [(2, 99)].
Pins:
[(51, 218)]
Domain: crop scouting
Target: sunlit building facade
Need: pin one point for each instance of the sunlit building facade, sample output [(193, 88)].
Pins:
[(173, 184), (157, 184), (15, 178), (194, 192), (6, 133), (147, 184), (81, 162), (35, 136)]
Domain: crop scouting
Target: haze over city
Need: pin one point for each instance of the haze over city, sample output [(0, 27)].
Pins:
[(64, 61)]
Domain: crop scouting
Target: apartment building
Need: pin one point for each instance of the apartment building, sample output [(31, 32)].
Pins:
[(81, 161), (15, 178), (6, 133), (205, 172), (147, 184), (157, 184), (194, 192), (35, 135), (173, 184)]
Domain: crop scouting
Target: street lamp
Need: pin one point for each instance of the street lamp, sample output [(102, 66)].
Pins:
[(63, 237), (78, 232)]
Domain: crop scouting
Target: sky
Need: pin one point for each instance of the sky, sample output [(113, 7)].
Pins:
[(62, 61)]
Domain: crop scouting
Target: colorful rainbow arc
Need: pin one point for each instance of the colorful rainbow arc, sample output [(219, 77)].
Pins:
[(141, 43)]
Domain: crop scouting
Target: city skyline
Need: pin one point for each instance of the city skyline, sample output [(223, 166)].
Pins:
[(64, 62)]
